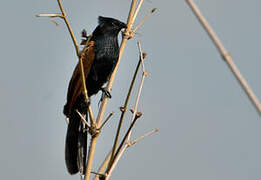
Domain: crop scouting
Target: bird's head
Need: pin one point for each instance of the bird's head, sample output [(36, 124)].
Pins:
[(110, 26)]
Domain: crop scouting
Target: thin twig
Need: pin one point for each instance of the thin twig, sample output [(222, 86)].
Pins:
[(225, 55), (50, 15), (144, 20), (109, 170), (107, 119), (84, 85), (83, 119), (83, 81), (69, 28), (90, 156), (127, 145), (103, 166), (142, 137), (141, 57), (115, 162), (144, 74), (137, 10), (99, 174)]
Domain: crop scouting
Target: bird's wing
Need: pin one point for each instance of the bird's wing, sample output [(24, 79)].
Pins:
[(75, 86)]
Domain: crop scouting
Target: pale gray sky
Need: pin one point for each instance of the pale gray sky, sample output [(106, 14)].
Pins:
[(208, 127)]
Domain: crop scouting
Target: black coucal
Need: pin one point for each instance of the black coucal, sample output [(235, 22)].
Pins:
[(100, 56)]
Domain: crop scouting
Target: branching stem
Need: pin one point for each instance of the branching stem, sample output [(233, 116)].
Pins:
[(69, 28), (123, 110), (109, 170), (144, 74), (126, 146)]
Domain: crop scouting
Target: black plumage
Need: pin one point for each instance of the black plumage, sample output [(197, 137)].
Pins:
[(100, 56)]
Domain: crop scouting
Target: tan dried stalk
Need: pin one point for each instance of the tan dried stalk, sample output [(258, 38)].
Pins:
[(124, 109), (127, 145), (225, 55), (144, 19), (78, 52), (103, 166), (109, 170), (123, 149), (144, 74), (124, 143)]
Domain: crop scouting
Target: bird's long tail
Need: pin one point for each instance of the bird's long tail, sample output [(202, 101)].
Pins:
[(76, 145)]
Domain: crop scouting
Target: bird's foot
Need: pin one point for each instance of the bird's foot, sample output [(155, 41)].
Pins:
[(105, 94)]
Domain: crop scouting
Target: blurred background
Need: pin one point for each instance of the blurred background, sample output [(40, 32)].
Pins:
[(208, 127)]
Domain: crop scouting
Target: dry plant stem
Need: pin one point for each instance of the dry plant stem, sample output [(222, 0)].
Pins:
[(131, 17), (83, 119), (69, 28), (115, 162), (85, 89), (90, 156), (108, 171), (106, 161), (108, 88), (107, 119), (225, 55), (144, 19), (125, 108), (141, 57), (127, 145), (97, 173), (49, 15), (137, 10), (142, 137), (103, 166), (144, 74)]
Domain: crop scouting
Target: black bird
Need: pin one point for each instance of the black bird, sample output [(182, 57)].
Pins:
[(100, 56)]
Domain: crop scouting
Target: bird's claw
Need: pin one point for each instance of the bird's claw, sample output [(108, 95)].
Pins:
[(106, 93)]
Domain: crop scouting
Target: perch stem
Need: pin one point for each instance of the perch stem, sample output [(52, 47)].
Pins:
[(109, 169)]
